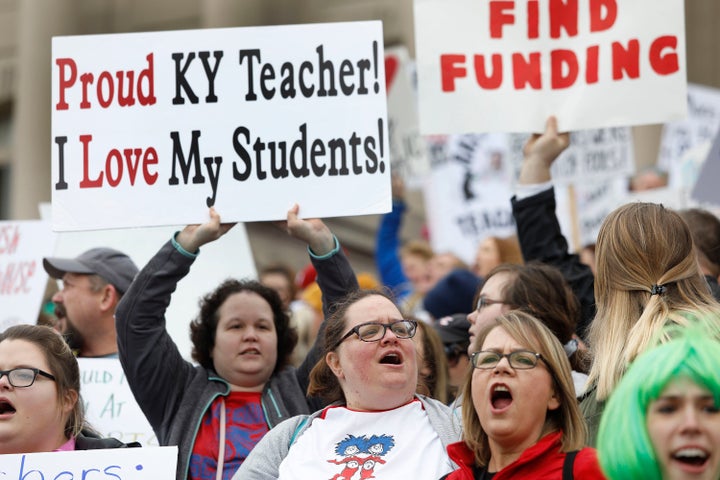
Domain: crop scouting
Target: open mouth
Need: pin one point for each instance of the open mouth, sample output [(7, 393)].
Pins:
[(250, 351), (691, 457), (500, 398), (6, 407), (391, 359)]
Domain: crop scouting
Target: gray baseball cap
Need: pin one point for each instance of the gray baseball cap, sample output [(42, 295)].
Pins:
[(112, 265)]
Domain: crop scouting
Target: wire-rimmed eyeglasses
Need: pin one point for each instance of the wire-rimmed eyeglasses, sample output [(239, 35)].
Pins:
[(24, 376), (519, 359), (375, 331)]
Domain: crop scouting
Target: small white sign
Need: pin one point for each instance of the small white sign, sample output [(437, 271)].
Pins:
[(110, 406), (23, 244), (118, 463)]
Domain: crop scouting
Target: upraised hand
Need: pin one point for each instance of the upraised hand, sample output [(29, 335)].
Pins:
[(192, 237), (540, 153), (312, 231)]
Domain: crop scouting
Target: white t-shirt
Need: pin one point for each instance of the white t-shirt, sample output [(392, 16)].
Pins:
[(342, 444)]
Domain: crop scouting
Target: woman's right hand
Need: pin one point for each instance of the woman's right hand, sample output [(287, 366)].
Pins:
[(312, 231), (541, 151)]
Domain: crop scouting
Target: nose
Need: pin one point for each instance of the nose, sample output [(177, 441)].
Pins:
[(472, 316), (503, 366), (57, 297), (691, 420), (4, 381), (389, 336), (250, 334)]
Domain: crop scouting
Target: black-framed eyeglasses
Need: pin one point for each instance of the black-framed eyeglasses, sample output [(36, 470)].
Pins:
[(375, 331), (24, 376), (519, 359), (485, 302)]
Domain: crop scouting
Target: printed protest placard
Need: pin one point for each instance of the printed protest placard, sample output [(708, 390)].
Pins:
[(116, 463), (506, 65), (154, 128), (23, 244), (110, 406), (407, 147)]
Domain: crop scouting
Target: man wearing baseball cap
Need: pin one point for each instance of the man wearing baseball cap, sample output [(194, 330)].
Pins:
[(92, 285)]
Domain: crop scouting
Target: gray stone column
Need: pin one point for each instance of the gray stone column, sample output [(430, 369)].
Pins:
[(38, 22)]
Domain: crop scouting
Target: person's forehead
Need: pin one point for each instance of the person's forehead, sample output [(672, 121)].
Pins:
[(371, 309), (17, 352)]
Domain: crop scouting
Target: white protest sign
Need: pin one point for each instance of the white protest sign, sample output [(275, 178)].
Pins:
[(467, 197), (407, 147), (110, 407), (491, 66), (592, 155), (230, 256), (151, 129), (23, 244), (700, 126), (706, 188), (113, 463)]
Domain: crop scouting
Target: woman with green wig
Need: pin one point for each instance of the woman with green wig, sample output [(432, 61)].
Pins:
[(663, 419)]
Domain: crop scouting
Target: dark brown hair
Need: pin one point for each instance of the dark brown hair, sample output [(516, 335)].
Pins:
[(204, 328)]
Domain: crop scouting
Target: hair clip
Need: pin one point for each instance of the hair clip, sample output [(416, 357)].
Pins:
[(658, 290)]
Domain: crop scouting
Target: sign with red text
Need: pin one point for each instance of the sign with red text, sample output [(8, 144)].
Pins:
[(153, 128), (506, 65), (112, 463), (407, 147), (23, 244)]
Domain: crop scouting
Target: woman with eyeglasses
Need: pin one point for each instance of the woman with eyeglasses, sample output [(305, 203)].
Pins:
[(523, 420), (376, 425), (541, 291), (243, 384), (40, 405)]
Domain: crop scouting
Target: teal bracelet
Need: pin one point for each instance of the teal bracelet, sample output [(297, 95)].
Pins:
[(180, 249), (327, 255)]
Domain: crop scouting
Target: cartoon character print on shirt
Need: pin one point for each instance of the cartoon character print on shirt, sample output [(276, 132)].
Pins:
[(361, 453)]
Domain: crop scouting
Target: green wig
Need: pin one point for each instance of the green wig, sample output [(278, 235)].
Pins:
[(624, 448)]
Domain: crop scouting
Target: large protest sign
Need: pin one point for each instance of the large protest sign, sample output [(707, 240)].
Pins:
[(154, 128), (407, 147), (23, 244), (230, 256), (116, 463), (110, 406), (505, 65)]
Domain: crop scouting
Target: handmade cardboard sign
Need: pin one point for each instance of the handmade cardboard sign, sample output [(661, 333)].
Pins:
[(151, 129)]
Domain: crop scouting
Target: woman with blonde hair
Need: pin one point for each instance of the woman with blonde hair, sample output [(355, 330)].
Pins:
[(523, 420)]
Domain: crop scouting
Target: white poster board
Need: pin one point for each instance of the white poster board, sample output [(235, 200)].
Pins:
[(229, 256), (151, 129), (493, 66), (467, 195), (700, 126), (110, 406), (117, 463), (593, 155), (407, 146), (23, 244)]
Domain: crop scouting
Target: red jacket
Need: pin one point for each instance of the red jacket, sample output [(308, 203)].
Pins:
[(544, 460)]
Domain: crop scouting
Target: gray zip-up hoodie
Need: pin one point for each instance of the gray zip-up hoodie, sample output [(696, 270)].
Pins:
[(173, 393)]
